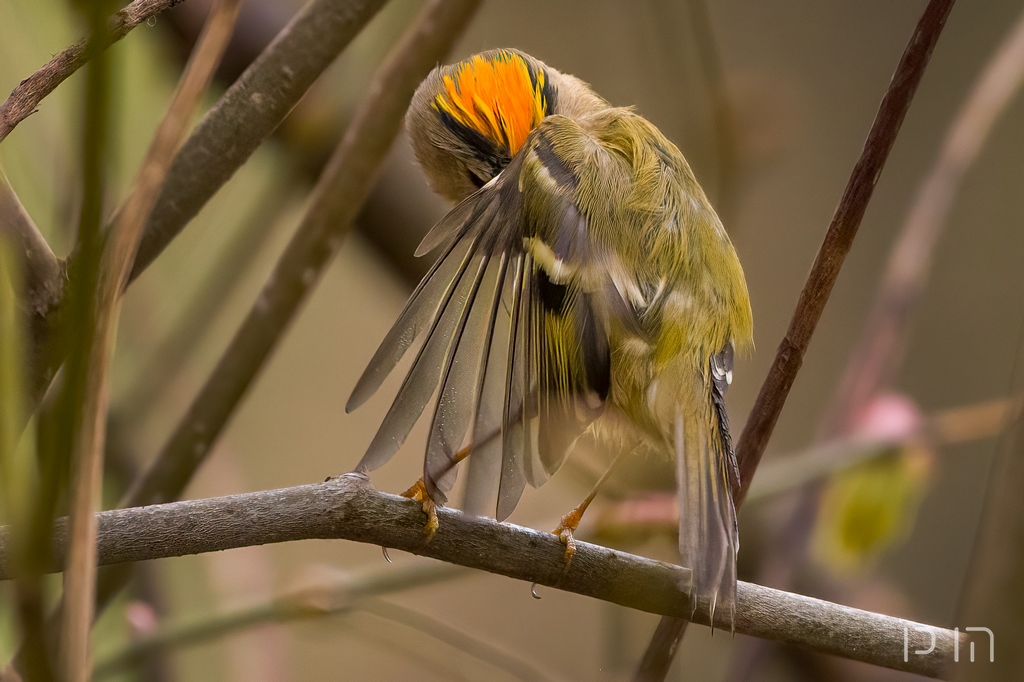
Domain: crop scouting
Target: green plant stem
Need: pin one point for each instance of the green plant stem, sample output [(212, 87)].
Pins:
[(118, 255), (61, 430), (17, 481)]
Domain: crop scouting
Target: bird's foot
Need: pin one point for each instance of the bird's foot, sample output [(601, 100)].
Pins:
[(418, 492), (570, 522)]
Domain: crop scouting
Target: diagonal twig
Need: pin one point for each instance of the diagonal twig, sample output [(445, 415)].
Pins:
[(879, 353), (881, 347), (238, 123), (218, 284), (348, 507), (838, 240), (249, 112), (24, 99), (831, 255), (117, 258), (43, 273)]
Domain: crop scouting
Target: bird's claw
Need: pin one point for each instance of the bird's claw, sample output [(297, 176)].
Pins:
[(565, 531), (418, 492)]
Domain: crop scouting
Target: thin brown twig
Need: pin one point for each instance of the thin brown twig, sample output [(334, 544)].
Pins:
[(117, 259), (347, 507), (24, 99), (838, 240), (831, 255), (880, 351)]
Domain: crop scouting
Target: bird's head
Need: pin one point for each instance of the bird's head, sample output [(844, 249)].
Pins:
[(468, 120)]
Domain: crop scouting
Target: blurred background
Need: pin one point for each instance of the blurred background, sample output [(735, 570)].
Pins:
[(770, 102)]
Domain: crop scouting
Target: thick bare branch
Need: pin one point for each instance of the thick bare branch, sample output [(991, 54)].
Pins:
[(30, 92), (347, 507)]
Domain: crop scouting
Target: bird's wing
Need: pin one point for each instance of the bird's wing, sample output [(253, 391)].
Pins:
[(514, 316)]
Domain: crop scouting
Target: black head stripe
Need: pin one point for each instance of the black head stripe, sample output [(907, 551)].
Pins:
[(492, 155)]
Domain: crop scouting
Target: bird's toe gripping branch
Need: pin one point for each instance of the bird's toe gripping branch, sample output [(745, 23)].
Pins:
[(568, 525), (418, 492)]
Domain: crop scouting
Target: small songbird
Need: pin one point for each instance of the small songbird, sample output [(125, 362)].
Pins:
[(583, 284)]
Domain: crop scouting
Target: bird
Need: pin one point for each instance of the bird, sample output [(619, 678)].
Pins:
[(583, 284)]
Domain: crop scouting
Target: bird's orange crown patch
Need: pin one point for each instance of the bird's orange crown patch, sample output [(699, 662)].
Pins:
[(500, 97)]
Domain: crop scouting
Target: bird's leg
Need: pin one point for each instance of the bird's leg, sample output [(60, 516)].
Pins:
[(571, 521)]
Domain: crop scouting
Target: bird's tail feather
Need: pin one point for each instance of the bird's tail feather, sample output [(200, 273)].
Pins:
[(708, 534)]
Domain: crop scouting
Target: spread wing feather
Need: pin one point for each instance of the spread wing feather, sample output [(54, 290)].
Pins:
[(514, 326), (423, 377)]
